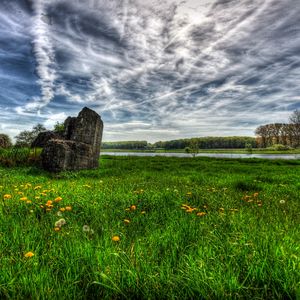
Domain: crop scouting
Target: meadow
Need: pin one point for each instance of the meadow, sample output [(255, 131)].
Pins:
[(152, 228)]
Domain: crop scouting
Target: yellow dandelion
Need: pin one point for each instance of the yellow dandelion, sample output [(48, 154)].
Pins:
[(37, 187), (7, 196), (57, 199), (133, 207), (56, 228), (20, 193), (29, 254), (62, 209), (68, 208), (116, 238), (201, 214), (28, 201), (126, 221), (23, 198)]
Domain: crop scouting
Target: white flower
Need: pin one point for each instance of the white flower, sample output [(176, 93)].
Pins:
[(86, 228), (60, 223), (282, 201)]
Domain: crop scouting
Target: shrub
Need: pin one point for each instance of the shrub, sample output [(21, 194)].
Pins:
[(279, 147), (5, 141)]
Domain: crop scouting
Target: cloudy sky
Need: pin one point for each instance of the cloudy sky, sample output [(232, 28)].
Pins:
[(153, 70)]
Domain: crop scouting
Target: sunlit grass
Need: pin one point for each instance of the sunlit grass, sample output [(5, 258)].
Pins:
[(152, 228)]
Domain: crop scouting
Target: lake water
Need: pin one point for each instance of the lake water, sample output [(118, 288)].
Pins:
[(222, 155)]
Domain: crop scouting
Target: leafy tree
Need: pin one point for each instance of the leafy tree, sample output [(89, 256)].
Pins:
[(26, 137), (5, 141), (194, 146), (59, 127), (295, 128)]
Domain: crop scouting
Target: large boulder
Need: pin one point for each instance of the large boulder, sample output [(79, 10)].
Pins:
[(80, 146), (43, 137), (68, 155)]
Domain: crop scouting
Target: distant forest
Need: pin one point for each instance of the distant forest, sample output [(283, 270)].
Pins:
[(232, 142)]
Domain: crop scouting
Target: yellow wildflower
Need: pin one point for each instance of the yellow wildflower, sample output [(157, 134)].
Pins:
[(201, 214), (126, 221), (62, 209), (29, 254), (116, 238), (57, 199), (23, 198), (7, 196), (133, 207), (68, 208), (28, 201), (56, 228), (37, 187)]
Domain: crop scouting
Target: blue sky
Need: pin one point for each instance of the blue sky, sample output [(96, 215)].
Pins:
[(153, 70)]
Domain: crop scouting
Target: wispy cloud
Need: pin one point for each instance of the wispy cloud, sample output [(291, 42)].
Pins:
[(184, 68)]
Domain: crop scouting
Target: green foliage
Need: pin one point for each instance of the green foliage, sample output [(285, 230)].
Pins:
[(248, 148), (244, 245), (59, 127), (279, 147), (17, 156), (5, 141), (26, 137), (137, 145), (232, 142)]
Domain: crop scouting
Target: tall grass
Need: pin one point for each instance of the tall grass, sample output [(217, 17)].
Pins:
[(16, 156), (187, 228)]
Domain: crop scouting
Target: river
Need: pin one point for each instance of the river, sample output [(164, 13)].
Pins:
[(220, 155)]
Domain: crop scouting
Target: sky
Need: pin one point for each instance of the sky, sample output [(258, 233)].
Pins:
[(154, 70)]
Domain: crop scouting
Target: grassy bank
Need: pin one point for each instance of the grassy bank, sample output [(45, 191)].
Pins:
[(152, 228), (233, 151)]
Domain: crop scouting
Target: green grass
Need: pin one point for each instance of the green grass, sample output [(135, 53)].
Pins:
[(245, 246)]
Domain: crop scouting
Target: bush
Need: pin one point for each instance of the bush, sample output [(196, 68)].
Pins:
[(279, 147), (16, 156), (5, 141)]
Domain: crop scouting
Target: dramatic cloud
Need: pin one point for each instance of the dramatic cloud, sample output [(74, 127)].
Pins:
[(153, 70)]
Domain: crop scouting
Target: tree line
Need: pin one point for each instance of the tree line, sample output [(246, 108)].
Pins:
[(287, 134)]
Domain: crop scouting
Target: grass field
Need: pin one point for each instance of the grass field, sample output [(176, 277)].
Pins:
[(152, 228)]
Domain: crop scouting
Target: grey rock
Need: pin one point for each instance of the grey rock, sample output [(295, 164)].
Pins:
[(43, 137), (80, 146)]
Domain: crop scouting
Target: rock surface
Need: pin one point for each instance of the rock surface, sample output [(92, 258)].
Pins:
[(43, 138), (79, 148)]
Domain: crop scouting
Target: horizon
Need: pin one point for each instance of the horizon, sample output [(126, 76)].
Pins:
[(153, 71)]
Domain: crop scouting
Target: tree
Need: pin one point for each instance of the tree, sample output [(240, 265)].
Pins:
[(295, 128), (26, 137), (59, 127), (194, 147), (5, 141)]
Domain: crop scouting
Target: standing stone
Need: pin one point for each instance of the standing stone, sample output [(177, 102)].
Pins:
[(80, 147)]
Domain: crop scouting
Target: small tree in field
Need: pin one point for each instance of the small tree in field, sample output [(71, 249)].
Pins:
[(5, 141), (194, 147), (26, 137)]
